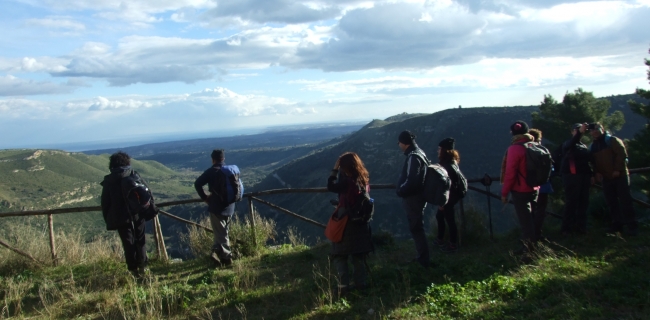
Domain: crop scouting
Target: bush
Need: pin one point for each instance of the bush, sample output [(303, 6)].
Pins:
[(242, 242)]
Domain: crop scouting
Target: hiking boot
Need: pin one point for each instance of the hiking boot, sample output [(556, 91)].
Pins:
[(226, 262), (215, 258), (451, 248), (439, 243)]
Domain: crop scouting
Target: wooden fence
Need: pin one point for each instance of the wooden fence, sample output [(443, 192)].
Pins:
[(161, 251)]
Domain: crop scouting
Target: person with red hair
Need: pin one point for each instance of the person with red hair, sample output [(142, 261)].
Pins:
[(349, 179)]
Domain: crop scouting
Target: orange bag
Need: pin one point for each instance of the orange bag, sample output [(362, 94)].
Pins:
[(335, 227)]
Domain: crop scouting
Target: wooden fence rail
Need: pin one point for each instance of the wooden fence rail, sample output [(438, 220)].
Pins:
[(158, 236)]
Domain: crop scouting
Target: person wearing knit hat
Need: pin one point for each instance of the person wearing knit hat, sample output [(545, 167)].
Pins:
[(519, 127), (409, 187), (406, 137), (513, 180), (449, 159), (447, 143)]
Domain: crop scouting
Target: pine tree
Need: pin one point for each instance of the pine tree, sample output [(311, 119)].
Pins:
[(555, 119), (639, 147)]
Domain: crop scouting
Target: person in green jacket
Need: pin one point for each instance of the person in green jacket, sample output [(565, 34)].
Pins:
[(609, 160)]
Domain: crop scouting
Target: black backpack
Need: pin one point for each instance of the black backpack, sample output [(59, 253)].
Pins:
[(539, 164), (436, 182), (138, 197), (364, 207), (461, 183)]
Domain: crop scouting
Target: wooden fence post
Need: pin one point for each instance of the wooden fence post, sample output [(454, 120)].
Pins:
[(155, 237), (161, 241), (50, 225), (251, 211)]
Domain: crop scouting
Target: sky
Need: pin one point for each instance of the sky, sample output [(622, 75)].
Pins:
[(77, 71)]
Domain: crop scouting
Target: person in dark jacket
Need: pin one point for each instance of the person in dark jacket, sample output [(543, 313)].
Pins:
[(116, 214), (409, 187), (513, 180), (348, 178), (219, 212), (576, 177), (609, 159), (539, 207), (449, 159)]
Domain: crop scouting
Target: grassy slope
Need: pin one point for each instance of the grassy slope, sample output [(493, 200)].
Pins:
[(591, 277), (71, 180)]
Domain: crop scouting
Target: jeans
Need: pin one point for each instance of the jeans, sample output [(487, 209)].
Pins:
[(414, 207)]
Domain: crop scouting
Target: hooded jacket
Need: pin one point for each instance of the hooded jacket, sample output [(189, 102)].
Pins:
[(609, 155), (411, 180), (114, 207), (513, 169)]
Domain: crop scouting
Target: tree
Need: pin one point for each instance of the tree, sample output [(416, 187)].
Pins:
[(639, 147), (555, 119)]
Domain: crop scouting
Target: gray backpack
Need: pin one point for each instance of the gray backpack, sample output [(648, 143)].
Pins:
[(436, 182)]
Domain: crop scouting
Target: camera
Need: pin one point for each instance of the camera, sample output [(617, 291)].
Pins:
[(592, 126)]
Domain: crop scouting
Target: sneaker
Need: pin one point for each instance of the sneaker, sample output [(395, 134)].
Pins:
[(439, 243), (451, 248)]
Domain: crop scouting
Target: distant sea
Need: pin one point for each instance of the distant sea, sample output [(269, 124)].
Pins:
[(140, 140), (148, 139)]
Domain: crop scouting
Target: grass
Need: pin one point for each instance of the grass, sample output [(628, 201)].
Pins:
[(591, 277)]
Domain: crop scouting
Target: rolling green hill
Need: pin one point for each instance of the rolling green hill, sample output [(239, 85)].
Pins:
[(49, 179)]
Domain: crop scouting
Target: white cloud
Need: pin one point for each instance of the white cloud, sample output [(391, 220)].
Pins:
[(412, 36), (23, 108), (142, 11), (65, 23), (488, 74), (13, 86)]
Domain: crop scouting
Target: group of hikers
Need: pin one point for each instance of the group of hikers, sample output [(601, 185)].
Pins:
[(524, 179)]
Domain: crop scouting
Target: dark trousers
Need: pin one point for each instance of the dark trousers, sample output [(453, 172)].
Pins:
[(359, 269), (524, 202), (447, 215), (576, 194), (414, 207), (539, 214), (133, 242), (619, 200)]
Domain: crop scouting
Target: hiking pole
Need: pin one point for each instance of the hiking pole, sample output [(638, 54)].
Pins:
[(487, 181)]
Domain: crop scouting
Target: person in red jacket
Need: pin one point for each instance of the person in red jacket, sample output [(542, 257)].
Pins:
[(513, 180)]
